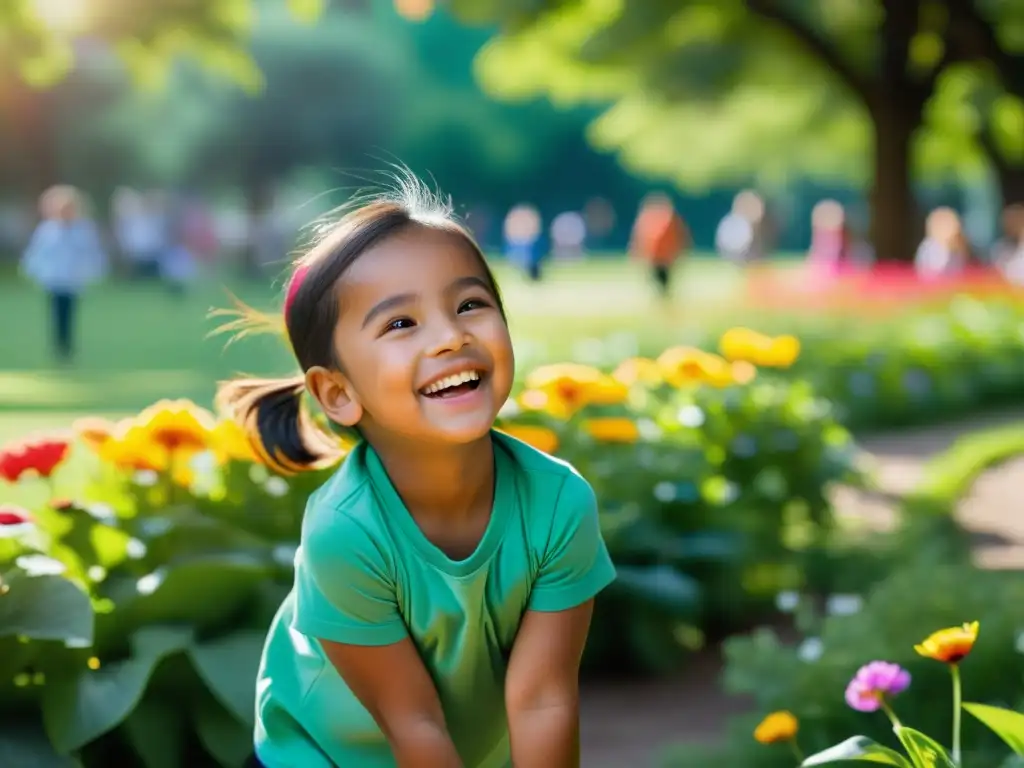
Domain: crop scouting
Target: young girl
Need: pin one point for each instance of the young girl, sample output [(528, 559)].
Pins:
[(446, 574)]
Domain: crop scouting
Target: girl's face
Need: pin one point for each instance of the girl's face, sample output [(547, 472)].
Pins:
[(424, 350)]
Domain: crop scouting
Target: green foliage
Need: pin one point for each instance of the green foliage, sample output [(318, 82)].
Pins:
[(762, 91), (147, 38)]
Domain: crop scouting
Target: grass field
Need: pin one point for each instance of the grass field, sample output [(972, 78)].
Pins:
[(138, 343)]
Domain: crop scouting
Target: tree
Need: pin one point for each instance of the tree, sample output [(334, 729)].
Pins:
[(43, 41), (740, 79)]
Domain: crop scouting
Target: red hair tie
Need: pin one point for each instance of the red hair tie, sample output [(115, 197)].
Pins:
[(293, 287)]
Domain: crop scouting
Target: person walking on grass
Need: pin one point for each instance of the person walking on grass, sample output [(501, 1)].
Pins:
[(660, 238), (446, 572), (63, 257)]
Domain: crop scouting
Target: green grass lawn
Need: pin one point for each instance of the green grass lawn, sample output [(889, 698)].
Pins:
[(138, 343)]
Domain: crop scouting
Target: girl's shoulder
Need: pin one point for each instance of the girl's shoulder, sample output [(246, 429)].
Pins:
[(343, 509), (546, 480)]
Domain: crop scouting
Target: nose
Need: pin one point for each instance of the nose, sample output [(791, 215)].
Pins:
[(448, 335)]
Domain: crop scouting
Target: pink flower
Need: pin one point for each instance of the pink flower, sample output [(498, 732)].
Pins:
[(875, 682)]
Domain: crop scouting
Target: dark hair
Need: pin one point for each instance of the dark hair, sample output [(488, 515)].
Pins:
[(284, 433)]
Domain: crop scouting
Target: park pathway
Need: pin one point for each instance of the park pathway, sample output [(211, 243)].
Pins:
[(628, 725)]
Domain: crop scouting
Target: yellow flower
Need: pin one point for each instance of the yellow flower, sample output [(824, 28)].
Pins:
[(132, 447), (753, 347), (230, 442), (782, 353), (950, 646), (639, 370), (743, 344), (180, 426), (541, 438), (777, 727), (612, 429), (564, 389), (684, 366)]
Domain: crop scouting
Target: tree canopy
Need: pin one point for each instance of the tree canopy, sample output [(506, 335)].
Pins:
[(713, 91)]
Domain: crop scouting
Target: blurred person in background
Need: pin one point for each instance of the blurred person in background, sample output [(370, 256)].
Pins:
[(63, 257), (522, 232), (944, 251), (830, 241), (660, 237), (1008, 251), (568, 234), (140, 232), (742, 235)]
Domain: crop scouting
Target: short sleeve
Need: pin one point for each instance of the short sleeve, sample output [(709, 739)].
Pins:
[(344, 591), (575, 565)]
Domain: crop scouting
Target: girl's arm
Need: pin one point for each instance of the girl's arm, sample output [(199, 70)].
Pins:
[(393, 685), (542, 688)]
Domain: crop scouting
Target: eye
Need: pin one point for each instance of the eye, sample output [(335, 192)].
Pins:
[(470, 304), (399, 324)]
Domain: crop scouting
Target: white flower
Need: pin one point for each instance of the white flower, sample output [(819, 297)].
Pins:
[(40, 565), (203, 463), (788, 601), (149, 583), (665, 491), (648, 429), (97, 573), (691, 416), (135, 549), (810, 650), (100, 511), (276, 486), (258, 474), (145, 478), (844, 605)]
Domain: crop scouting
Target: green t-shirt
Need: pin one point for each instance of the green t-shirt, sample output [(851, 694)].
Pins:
[(366, 575)]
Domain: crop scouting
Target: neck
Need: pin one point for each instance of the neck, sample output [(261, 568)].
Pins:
[(450, 481)]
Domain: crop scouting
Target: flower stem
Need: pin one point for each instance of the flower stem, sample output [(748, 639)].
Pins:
[(797, 751), (957, 693), (890, 714)]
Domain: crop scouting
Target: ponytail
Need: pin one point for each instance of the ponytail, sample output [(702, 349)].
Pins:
[(283, 433)]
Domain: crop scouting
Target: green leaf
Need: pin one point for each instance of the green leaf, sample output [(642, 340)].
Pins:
[(1006, 724), (660, 585), (924, 750), (25, 743), (224, 737), (858, 748), (154, 729), (80, 709), (229, 666), (202, 593), (46, 608)]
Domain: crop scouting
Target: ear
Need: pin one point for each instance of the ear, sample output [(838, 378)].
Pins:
[(335, 395)]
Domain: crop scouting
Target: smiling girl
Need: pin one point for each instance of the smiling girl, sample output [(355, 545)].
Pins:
[(445, 580)]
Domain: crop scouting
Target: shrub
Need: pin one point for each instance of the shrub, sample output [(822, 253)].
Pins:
[(149, 556)]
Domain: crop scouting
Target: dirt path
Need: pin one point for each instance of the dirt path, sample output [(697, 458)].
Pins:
[(628, 725)]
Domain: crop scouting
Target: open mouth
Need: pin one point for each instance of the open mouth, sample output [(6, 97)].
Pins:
[(453, 386)]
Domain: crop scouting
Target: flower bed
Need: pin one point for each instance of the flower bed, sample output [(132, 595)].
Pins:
[(801, 685), (146, 558)]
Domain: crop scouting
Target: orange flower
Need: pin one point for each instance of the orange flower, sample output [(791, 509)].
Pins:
[(743, 372), (950, 646), (41, 456), (777, 727), (564, 389), (180, 426), (132, 447), (93, 431), (612, 430), (541, 438)]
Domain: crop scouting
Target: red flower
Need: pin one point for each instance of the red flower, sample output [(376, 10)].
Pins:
[(12, 515), (41, 456)]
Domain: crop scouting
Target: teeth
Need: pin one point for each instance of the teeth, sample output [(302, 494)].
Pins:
[(452, 381)]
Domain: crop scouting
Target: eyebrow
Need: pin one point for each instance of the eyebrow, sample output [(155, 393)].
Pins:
[(393, 302)]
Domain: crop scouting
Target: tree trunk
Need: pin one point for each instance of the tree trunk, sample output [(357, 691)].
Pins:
[(895, 223), (1011, 184)]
